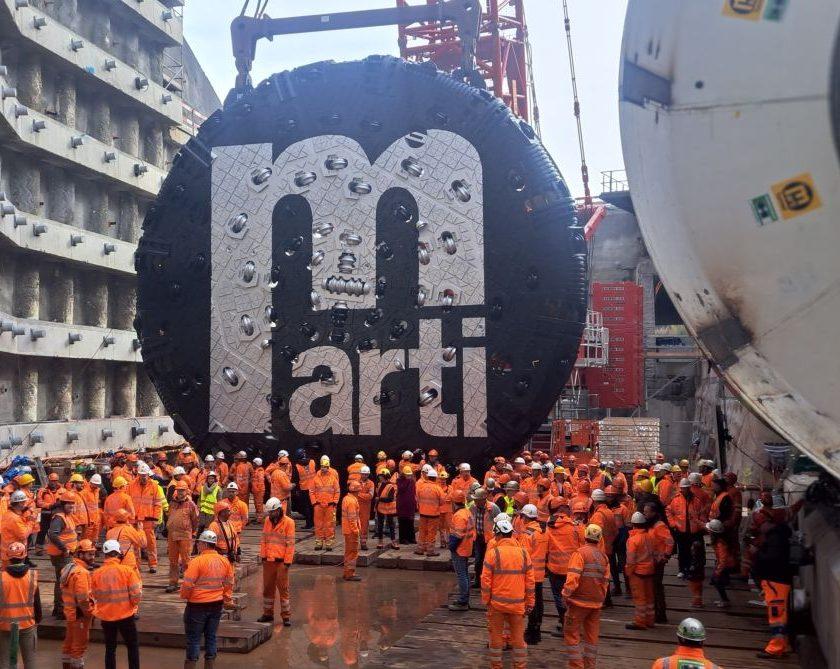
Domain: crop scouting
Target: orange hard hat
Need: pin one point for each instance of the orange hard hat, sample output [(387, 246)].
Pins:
[(354, 486), (580, 506), (544, 483), (609, 490), (182, 485), (584, 487), (521, 498), (459, 497), (66, 497), (53, 477), (161, 456), (433, 453), (583, 468), (555, 503), (132, 457), (86, 546), (224, 505), (121, 516), (16, 550), (572, 458), (594, 463)]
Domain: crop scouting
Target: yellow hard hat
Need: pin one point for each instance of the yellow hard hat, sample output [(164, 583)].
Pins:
[(443, 475), (684, 463), (381, 455), (25, 479), (643, 472), (407, 471), (559, 470), (593, 532), (77, 478), (675, 469), (645, 485), (120, 482), (385, 472), (325, 461)]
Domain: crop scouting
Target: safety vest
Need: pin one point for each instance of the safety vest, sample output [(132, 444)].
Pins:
[(227, 541), (207, 499), (350, 523), (685, 658), (685, 516), (463, 527), (428, 498), (640, 553), (116, 590), (75, 590), (17, 600), (306, 474), (80, 511), (145, 498), (14, 527), (588, 577), (387, 499), (114, 502), (67, 536), (325, 488), (507, 581), (535, 540), (604, 518), (278, 541), (563, 541), (208, 579)]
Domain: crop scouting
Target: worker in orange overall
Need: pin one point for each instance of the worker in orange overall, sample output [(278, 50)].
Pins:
[(724, 561), (429, 500), (560, 487), (181, 526), (461, 539), (227, 540), (773, 571), (187, 457), (304, 472), (207, 588), (281, 486), (663, 548), (351, 530), (258, 487), (640, 569), (238, 508), (147, 505), (535, 540), (604, 517), (687, 518), (586, 587), (563, 540), (324, 495), (132, 540), (16, 524), (45, 500), (464, 479), (277, 551), (386, 509), (689, 653), (119, 499), (21, 610), (117, 590), (62, 541), (76, 487), (91, 496), (76, 598), (366, 492), (529, 483), (355, 468), (669, 485), (507, 589), (241, 473), (445, 507)]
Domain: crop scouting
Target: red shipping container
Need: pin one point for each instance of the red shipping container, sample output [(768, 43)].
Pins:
[(620, 384)]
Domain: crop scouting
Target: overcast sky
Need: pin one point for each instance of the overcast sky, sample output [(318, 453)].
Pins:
[(596, 31)]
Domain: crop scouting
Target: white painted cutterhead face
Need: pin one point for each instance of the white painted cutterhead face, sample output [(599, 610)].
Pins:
[(367, 270)]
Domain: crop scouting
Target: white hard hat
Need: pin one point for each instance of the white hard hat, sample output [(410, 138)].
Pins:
[(258, 462), (208, 537), (714, 526), (212, 473), (610, 464), (283, 454), (232, 486), (657, 468), (465, 467), (432, 474), (694, 477), (272, 504), (529, 511), (96, 479), (365, 470), (425, 469), (638, 518), (209, 458), (242, 454), (519, 461), (186, 449), (685, 483), (179, 471), (599, 495), (143, 469), (17, 496), (111, 546), (502, 524), (220, 456), (716, 474), (536, 466), (358, 457), (106, 469), (406, 455), (490, 482)]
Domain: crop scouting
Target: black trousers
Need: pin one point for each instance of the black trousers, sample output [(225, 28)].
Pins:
[(558, 582), (127, 628), (618, 558), (536, 615), (684, 541), (659, 606), (720, 583), (383, 522), (303, 505), (479, 550), (406, 527)]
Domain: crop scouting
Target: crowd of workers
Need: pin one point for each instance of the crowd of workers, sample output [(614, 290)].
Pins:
[(594, 529)]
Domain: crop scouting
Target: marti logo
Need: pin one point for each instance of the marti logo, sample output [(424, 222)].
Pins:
[(325, 264)]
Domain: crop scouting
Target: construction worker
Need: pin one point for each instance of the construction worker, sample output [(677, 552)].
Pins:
[(445, 507), (45, 500), (238, 508), (258, 480), (90, 494), (663, 548), (603, 517), (669, 485), (354, 469), (351, 530), (464, 479), (587, 584), (15, 525), (281, 486), (187, 457), (147, 502), (406, 505), (277, 550), (773, 571), (207, 589), (461, 540), (304, 472), (132, 540), (119, 499), (222, 468), (724, 560), (366, 491), (429, 500), (687, 518), (689, 652), (507, 589), (535, 540), (227, 540), (640, 569), (181, 527), (563, 540), (386, 508), (77, 600), (529, 484), (76, 486), (707, 474), (62, 541), (242, 472), (483, 511), (324, 495), (117, 591), (207, 498), (21, 609)]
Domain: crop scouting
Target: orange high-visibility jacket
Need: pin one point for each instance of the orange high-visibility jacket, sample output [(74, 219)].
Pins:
[(222, 469), (17, 600), (588, 577), (463, 527), (366, 493), (305, 474), (281, 486), (685, 516), (13, 527), (80, 510), (277, 543), (325, 489), (707, 481), (350, 523), (429, 498), (535, 540), (67, 535), (131, 539), (241, 473), (639, 553), (529, 487), (76, 588), (117, 590), (386, 500), (90, 495), (208, 579), (667, 490), (114, 502), (258, 480), (563, 540), (227, 538), (147, 504), (663, 541), (604, 518), (507, 580), (354, 471), (459, 483), (446, 500), (692, 656), (238, 514), (46, 498)]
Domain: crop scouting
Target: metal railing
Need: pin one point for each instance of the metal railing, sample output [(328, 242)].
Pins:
[(613, 181)]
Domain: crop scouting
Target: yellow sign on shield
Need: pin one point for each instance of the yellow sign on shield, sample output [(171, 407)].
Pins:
[(797, 196), (743, 9)]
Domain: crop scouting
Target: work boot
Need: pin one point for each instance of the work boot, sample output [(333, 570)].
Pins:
[(209, 662), (432, 553), (363, 547), (153, 570), (190, 664), (58, 614), (395, 546), (265, 618), (379, 547), (319, 545), (419, 551), (458, 606), (532, 637), (634, 626), (171, 588), (329, 545), (354, 577), (287, 622)]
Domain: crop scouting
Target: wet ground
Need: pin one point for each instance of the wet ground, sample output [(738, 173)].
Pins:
[(334, 623)]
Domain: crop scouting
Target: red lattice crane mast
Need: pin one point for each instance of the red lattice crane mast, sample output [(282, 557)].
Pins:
[(503, 54)]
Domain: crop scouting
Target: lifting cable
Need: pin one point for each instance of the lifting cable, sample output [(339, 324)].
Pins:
[(584, 170)]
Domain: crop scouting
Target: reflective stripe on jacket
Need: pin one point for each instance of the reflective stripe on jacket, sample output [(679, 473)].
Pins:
[(67, 536), (277, 543), (639, 553), (208, 579), (563, 540), (535, 540), (429, 496), (116, 590), (17, 600), (686, 516), (207, 499), (463, 527), (76, 590), (588, 577), (507, 580)]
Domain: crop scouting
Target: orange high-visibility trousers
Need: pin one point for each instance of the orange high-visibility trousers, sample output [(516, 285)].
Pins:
[(641, 587), (92, 531), (581, 619), (259, 503), (443, 528), (496, 623), (179, 555), (151, 543), (696, 590), (428, 533), (351, 554), (276, 579), (324, 522), (76, 641), (776, 597), (364, 521)]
